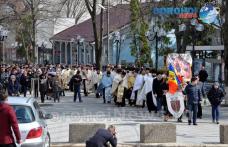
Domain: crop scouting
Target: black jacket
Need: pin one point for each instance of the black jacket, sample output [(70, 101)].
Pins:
[(75, 81), (159, 86), (43, 85), (24, 80), (193, 94), (101, 138), (203, 75), (215, 96)]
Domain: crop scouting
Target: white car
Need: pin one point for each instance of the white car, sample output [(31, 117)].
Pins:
[(32, 124)]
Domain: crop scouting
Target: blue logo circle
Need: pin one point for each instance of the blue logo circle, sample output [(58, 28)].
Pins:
[(208, 14)]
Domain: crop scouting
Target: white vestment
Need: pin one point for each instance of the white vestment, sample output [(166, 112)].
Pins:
[(89, 83), (137, 85), (147, 87), (116, 82)]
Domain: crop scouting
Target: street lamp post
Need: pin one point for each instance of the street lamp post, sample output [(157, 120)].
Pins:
[(3, 36), (108, 30), (197, 27), (158, 33), (107, 8), (118, 39), (156, 48), (79, 40), (43, 48)]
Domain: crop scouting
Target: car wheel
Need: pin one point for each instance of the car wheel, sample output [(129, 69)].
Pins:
[(47, 141)]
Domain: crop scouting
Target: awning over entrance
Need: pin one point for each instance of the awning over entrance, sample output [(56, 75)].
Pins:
[(206, 48)]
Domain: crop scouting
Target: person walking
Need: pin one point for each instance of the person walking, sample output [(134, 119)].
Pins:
[(75, 84), (57, 87), (8, 124), (4, 76), (96, 78), (84, 72), (131, 81), (14, 86), (43, 87), (107, 83), (102, 137), (158, 92), (202, 77), (193, 98), (25, 82), (215, 96), (121, 90)]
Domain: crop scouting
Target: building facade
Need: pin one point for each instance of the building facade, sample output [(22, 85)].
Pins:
[(75, 45)]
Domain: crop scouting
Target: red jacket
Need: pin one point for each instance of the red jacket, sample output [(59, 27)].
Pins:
[(8, 119)]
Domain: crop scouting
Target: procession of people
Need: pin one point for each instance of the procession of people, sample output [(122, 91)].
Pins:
[(119, 85)]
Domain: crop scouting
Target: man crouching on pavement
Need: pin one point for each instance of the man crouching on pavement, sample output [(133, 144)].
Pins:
[(103, 137)]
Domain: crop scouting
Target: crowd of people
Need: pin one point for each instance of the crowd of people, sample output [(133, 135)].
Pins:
[(122, 86)]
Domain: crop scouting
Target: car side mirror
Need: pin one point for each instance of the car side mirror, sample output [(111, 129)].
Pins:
[(48, 116)]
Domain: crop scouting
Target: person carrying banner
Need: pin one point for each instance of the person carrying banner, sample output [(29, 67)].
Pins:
[(165, 89), (179, 66)]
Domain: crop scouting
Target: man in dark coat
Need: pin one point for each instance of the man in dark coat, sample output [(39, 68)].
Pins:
[(203, 75), (102, 137), (75, 84), (25, 82), (158, 92), (8, 124), (215, 96), (194, 97), (43, 87)]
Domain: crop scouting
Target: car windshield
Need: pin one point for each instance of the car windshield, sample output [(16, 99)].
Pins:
[(24, 114)]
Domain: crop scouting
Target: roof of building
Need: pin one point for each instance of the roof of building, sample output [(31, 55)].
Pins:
[(119, 17)]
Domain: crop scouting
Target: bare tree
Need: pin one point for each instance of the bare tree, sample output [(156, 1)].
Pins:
[(37, 11), (73, 9), (10, 9), (97, 30)]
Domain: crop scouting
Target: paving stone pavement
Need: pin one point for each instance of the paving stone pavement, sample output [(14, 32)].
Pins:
[(126, 119)]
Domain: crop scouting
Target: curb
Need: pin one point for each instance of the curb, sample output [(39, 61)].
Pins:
[(148, 145)]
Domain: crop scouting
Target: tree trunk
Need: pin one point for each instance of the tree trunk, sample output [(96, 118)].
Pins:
[(33, 54), (33, 40), (177, 34), (178, 41), (98, 39), (100, 49)]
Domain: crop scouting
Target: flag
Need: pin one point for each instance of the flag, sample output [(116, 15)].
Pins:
[(173, 80)]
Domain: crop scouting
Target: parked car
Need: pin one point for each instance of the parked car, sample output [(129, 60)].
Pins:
[(32, 122)]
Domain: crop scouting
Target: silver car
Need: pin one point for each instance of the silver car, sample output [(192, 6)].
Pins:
[(32, 124)]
